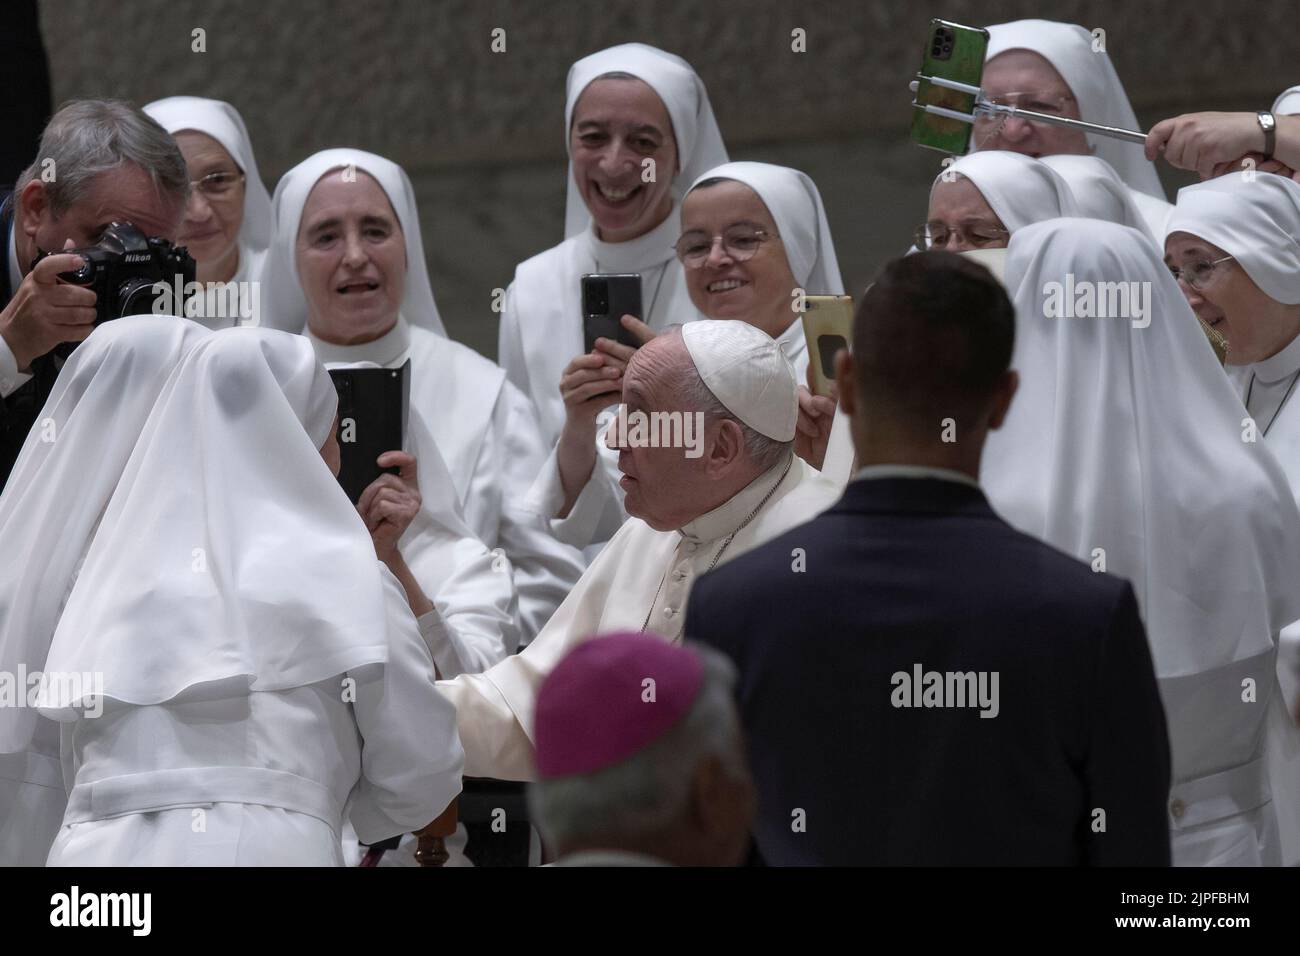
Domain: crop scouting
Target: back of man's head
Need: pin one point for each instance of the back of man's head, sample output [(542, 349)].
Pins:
[(88, 137), (932, 342)]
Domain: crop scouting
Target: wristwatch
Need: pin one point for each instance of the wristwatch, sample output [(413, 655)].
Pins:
[(1268, 123)]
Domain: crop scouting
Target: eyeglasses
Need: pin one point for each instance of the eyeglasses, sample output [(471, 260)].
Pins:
[(738, 242), (1051, 102), (1197, 274), (937, 235), (218, 184)]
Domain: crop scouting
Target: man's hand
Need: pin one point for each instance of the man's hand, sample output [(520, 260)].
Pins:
[(390, 503), (45, 311)]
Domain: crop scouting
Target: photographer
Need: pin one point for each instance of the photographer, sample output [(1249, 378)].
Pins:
[(100, 161)]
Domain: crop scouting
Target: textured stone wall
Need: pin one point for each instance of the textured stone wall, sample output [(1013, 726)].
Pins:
[(481, 132)]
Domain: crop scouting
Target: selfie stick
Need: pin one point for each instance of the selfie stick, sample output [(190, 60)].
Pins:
[(982, 105)]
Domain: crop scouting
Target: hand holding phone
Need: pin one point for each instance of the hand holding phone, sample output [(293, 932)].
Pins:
[(827, 328), (606, 298)]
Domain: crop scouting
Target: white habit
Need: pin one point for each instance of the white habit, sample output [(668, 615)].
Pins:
[(541, 324), (58, 489), (1101, 98), (484, 428), (224, 306), (1124, 448), (1258, 223), (256, 662)]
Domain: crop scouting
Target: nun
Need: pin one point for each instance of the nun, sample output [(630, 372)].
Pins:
[(1096, 460), (754, 236), (227, 224), (1235, 246), (347, 268), (1098, 191), (639, 128), (60, 485), (980, 200), (259, 669), (1052, 67)]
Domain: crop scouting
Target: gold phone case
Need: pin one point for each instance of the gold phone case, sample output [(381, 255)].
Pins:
[(827, 327)]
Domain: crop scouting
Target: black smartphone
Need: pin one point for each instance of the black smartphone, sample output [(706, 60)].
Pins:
[(606, 298), (373, 406)]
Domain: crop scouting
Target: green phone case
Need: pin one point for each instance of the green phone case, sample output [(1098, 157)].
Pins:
[(964, 65)]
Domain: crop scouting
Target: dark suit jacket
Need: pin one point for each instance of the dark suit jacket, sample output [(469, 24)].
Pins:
[(907, 572), (19, 409)]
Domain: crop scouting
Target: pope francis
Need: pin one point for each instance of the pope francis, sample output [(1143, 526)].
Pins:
[(692, 508)]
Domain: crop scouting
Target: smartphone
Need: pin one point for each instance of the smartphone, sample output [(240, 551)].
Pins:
[(373, 408), (952, 52), (606, 298), (827, 327)]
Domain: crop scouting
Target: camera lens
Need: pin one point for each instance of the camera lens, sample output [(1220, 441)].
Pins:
[(134, 297), (597, 298)]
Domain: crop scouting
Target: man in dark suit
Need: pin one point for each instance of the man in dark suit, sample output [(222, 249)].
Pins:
[(921, 683), (100, 161)]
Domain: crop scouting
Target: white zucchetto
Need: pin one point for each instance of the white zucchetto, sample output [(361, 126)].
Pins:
[(747, 372)]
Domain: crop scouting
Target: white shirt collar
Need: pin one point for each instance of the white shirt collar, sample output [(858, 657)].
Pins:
[(728, 516), (914, 471), (1279, 366), (386, 351)]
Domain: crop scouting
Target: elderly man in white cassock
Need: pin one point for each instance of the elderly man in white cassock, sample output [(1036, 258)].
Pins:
[(736, 485)]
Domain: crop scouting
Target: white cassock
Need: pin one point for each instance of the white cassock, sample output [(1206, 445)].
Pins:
[(642, 579), (1098, 191), (484, 429), (1101, 97), (259, 671), (1097, 459), (48, 513), (237, 302), (541, 324), (1258, 223), (795, 204)]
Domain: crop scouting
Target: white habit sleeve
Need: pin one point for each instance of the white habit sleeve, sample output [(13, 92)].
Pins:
[(410, 758)]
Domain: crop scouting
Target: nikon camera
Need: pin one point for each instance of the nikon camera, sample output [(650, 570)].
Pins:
[(122, 268)]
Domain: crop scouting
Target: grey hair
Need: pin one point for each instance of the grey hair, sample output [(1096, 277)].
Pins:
[(761, 450), (647, 793), (88, 137)]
